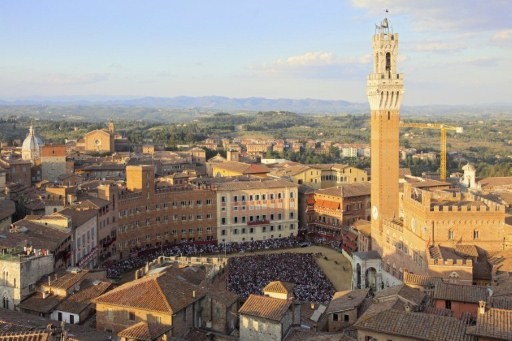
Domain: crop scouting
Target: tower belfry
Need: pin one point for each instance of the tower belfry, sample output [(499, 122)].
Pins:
[(385, 89)]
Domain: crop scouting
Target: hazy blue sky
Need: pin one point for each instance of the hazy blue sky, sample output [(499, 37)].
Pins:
[(452, 51)]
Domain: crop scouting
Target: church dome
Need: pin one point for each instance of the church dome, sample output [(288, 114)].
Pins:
[(31, 147)]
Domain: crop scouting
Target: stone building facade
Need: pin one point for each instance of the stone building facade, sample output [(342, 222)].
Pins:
[(256, 209), (149, 214), (53, 162), (99, 141), (19, 275), (17, 171), (331, 209)]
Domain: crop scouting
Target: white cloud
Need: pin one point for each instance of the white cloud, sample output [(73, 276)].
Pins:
[(503, 35), (312, 62), (437, 46)]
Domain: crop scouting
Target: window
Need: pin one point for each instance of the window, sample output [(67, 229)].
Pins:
[(346, 318), (131, 316), (72, 319), (450, 234), (222, 199), (235, 198), (335, 317), (475, 234), (223, 221), (448, 304), (222, 232)]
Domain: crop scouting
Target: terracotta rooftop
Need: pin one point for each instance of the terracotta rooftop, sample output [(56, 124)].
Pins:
[(299, 334), (500, 302), (460, 293), (37, 235), (144, 332), (367, 255), (78, 217), (372, 307), (345, 300), (265, 307), (422, 280), (427, 183), (284, 170), (32, 335), (495, 182), (279, 287), (415, 326), (79, 301), (166, 291), (64, 280), (403, 291), (36, 303), (438, 311), (243, 168), (225, 297), (494, 324)]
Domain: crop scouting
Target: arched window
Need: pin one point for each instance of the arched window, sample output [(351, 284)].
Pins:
[(5, 303), (388, 62), (450, 234), (476, 234)]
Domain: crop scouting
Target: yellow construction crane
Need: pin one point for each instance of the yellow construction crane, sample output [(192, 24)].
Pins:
[(443, 128)]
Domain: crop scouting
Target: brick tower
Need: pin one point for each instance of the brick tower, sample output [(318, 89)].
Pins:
[(385, 90)]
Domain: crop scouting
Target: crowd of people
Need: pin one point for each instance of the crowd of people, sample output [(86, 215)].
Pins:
[(139, 258), (250, 274)]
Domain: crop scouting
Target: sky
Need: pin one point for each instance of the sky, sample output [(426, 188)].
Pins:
[(451, 52)]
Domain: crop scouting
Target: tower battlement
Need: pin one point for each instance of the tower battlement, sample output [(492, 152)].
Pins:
[(449, 201)]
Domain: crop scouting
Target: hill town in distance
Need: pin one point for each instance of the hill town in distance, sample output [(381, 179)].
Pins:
[(260, 224)]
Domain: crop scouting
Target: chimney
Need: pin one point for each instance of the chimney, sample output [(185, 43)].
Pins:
[(407, 308), (481, 307), (312, 306)]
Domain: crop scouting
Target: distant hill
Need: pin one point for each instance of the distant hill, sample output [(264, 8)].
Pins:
[(208, 103), (183, 108)]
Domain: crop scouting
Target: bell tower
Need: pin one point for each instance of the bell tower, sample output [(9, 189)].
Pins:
[(385, 89)]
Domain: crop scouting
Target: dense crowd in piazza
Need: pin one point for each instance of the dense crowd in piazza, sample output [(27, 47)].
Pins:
[(250, 274), (138, 258)]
